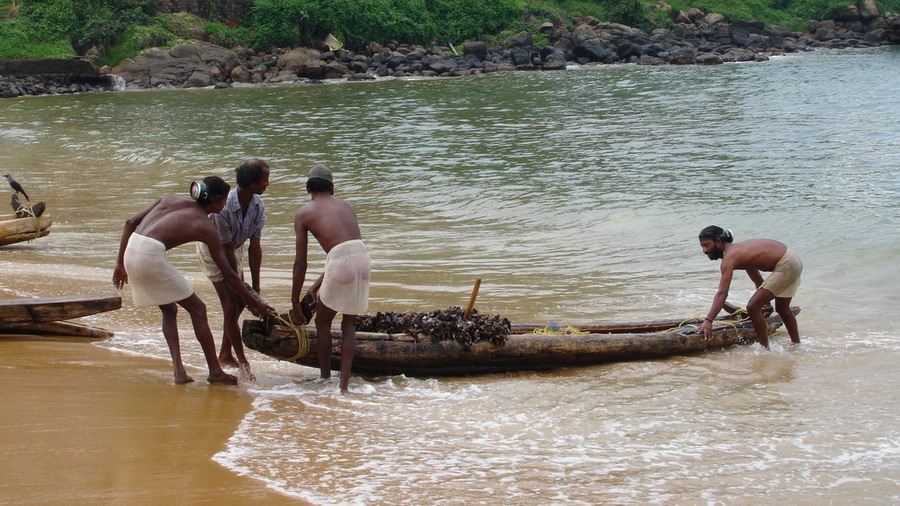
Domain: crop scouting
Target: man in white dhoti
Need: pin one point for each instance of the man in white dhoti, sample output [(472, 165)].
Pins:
[(169, 222), (344, 286)]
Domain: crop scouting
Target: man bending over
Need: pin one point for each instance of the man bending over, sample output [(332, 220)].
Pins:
[(754, 255), (169, 222), (344, 285)]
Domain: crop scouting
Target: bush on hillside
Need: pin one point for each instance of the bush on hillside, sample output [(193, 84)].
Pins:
[(17, 40), (84, 23), (357, 22)]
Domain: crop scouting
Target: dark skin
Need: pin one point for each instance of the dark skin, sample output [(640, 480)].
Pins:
[(331, 221), (232, 305), (175, 221), (753, 256)]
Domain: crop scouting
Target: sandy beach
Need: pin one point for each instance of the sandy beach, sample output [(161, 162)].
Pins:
[(86, 425)]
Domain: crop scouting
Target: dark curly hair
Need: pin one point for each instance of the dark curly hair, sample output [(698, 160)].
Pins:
[(250, 172)]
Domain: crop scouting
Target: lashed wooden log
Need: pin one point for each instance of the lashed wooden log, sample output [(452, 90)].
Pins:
[(62, 328), (51, 309), (389, 354)]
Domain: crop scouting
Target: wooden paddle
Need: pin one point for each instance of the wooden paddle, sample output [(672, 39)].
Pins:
[(471, 305)]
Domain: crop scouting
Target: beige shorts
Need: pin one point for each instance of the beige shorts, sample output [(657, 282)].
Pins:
[(785, 277), (209, 267), (154, 281), (345, 286)]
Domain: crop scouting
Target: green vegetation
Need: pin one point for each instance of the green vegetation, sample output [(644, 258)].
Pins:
[(117, 29)]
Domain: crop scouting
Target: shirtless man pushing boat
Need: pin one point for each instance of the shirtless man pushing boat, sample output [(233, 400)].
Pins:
[(169, 222), (754, 255), (344, 284)]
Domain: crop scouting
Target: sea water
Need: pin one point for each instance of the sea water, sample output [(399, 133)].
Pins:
[(575, 196)]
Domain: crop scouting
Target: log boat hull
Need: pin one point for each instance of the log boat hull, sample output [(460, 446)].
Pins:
[(52, 309), (380, 354)]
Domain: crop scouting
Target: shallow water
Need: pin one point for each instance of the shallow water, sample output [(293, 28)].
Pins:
[(575, 195)]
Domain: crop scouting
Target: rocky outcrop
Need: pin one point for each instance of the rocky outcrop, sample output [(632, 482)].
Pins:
[(191, 65)]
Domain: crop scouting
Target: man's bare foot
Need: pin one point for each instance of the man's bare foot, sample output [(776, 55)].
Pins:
[(223, 378), (228, 361), (181, 379), (246, 375)]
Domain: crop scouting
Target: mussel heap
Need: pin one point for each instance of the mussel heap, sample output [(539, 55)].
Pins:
[(440, 324)]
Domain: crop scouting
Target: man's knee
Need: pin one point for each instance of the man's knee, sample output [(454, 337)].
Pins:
[(195, 307), (169, 310), (783, 306)]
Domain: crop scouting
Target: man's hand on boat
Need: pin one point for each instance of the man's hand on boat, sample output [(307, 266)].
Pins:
[(706, 329), (258, 306), (301, 312)]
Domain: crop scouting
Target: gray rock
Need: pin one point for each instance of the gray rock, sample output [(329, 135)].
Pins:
[(477, 49), (593, 50)]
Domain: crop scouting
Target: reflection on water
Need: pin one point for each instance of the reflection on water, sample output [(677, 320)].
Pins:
[(575, 195)]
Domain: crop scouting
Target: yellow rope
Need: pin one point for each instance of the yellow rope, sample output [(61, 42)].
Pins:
[(733, 323), (547, 331), (302, 337), (26, 209)]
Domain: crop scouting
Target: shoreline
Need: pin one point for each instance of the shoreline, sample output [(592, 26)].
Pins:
[(696, 38), (93, 425)]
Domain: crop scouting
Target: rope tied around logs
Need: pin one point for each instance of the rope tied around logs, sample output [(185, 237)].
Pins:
[(552, 330), (302, 337), (732, 323), (27, 211)]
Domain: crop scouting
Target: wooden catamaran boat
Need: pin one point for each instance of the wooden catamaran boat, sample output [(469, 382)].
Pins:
[(13, 229), (390, 354), (46, 315), (51, 309)]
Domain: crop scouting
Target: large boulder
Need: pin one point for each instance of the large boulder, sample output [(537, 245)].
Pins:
[(194, 64), (593, 51), (868, 10), (825, 30), (477, 49), (683, 56)]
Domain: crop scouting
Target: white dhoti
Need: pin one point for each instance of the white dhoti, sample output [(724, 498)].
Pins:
[(154, 281), (345, 285), (209, 267)]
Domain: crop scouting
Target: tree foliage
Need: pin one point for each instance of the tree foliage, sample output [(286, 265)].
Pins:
[(357, 22)]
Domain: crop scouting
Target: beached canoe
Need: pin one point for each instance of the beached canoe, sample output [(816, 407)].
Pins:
[(391, 354), (62, 328), (52, 309), (13, 230)]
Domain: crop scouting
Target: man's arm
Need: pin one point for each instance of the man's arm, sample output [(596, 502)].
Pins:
[(719, 299), (255, 254), (755, 276), (211, 238), (300, 263), (120, 277)]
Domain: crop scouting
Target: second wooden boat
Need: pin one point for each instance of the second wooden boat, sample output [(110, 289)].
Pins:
[(13, 229), (51, 309)]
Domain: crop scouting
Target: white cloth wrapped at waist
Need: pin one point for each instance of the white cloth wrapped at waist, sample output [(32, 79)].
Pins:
[(345, 286), (154, 281)]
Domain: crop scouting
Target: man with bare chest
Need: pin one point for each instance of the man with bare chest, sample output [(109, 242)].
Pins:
[(753, 256), (344, 285)]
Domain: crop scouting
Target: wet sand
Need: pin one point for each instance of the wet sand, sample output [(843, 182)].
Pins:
[(83, 424)]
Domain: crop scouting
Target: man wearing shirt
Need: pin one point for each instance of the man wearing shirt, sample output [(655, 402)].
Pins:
[(242, 219)]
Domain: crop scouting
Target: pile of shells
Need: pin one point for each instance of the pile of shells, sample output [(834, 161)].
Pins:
[(440, 324)]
